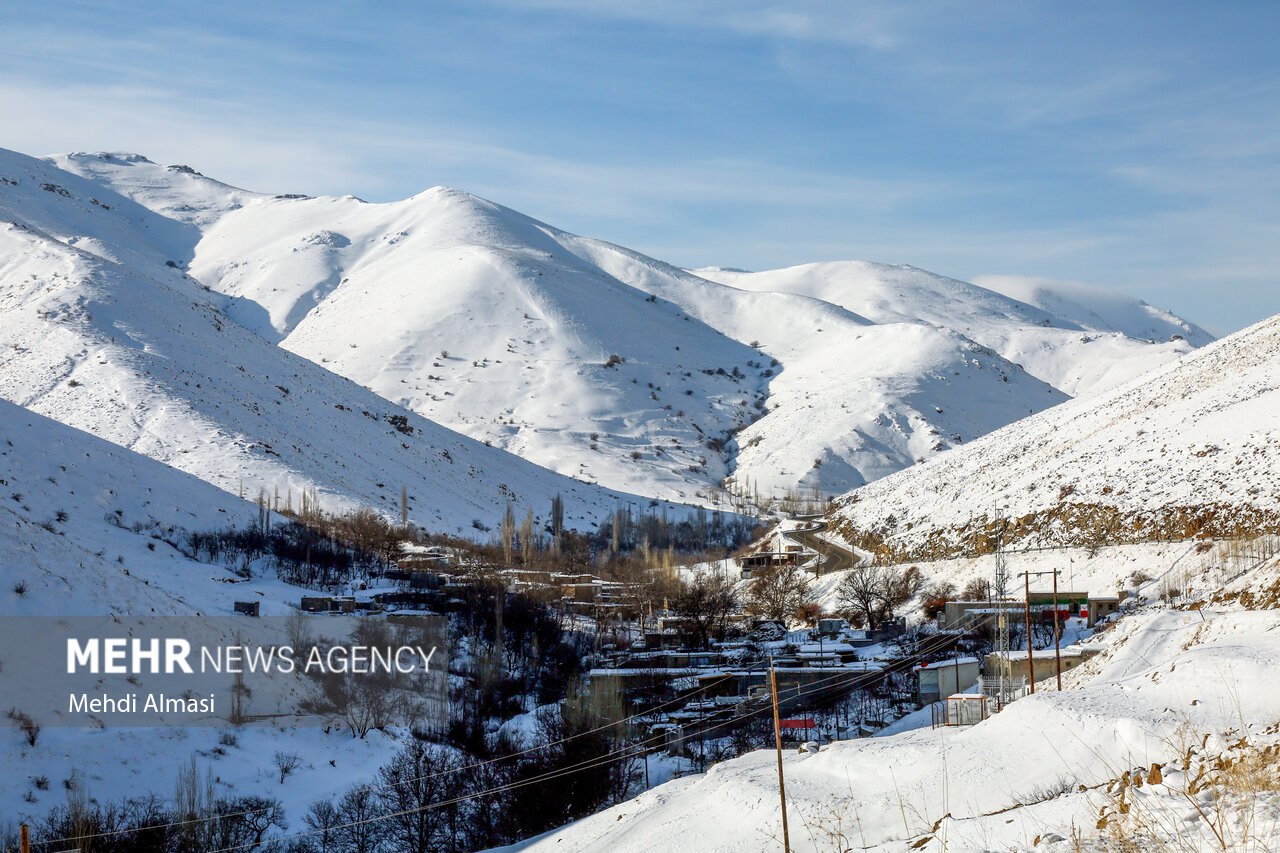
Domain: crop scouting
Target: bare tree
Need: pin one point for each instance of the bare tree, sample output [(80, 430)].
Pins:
[(322, 820), (978, 589), (874, 593), (557, 522), (508, 534), (778, 592), (412, 790), (935, 597), (358, 829), (526, 537), (706, 603), (243, 822), (286, 763)]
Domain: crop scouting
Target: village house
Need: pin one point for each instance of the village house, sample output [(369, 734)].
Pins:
[(963, 615), (1014, 666), (944, 678)]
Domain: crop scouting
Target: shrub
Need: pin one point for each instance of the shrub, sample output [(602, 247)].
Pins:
[(286, 763), (23, 722)]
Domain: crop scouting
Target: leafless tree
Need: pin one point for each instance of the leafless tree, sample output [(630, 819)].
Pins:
[(874, 593), (778, 592), (286, 763), (978, 589), (706, 603)]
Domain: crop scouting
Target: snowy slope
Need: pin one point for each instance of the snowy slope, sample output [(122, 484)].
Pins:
[(499, 326), (1188, 449), (850, 401), (104, 335), (71, 503), (88, 530), (1168, 686), (715, 381), (1082, 342), (468, 314), (1096, 308)]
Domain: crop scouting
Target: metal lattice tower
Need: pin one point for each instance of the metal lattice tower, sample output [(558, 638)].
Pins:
[(999, 592)]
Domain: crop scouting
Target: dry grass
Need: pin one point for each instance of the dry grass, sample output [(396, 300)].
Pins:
[(1069, 524), (1226, 801)]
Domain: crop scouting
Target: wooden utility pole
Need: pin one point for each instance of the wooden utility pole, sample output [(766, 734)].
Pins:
[(1031, 661), (1057, 635), (25, 839), (777, 740), (1057, 653)]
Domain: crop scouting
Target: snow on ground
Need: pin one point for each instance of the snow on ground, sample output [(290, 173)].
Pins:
[(501, 327), (70, 505), (1174, 445), (1096, 307), (1086, 342), (104, 335), (89, 528), (1166, 678), (114, 763)]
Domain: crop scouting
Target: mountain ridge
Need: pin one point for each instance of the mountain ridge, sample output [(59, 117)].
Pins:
[(1184, 451), (612, 367)]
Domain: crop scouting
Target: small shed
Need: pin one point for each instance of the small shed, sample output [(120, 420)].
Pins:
[(248, 608), (963, 709), (831, 627), (943, 678)]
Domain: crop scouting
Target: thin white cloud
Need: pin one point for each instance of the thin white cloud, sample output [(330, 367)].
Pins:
[(875, 24)]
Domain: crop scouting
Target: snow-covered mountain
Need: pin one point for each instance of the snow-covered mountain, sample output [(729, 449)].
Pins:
[(504, 328), (104, 332), (1076, 338), (1188, 449), (1096, 308)]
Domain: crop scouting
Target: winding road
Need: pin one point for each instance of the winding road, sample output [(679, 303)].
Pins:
[(835, 558)]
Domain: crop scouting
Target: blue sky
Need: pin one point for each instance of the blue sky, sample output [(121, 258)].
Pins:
[(1134, 146)]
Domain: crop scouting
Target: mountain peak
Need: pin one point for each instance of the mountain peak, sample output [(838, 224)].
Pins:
[(117, 156)]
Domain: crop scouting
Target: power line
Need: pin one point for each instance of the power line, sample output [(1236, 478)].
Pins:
[(928, 648), (681, 698), (595, 761)]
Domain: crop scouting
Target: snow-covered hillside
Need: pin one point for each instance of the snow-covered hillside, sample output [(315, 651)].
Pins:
[(1096, 308), (501, 327), (469, 314), (1189, 449), (90, 526), (105, 333), (1177, 689), (504, 328), (89, 529), (1077, 339)]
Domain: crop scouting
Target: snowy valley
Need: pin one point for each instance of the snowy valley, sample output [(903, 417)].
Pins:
[(632, 494)]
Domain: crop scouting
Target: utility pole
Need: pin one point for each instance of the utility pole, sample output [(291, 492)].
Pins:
[(1057, 635), (1031, 661), (1000, 592), (702, 733), (777, 740), (26, 838), (1057, 654)]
